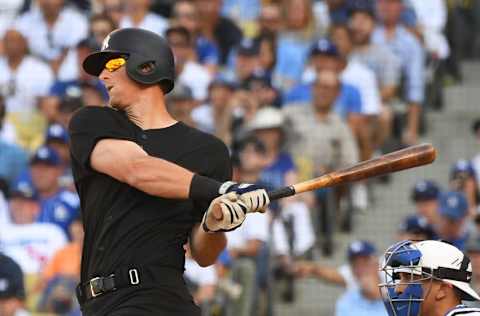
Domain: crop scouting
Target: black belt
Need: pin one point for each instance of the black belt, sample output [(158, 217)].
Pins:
[(122, 278)]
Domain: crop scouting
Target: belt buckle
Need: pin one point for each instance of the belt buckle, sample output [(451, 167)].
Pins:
[(92, 283)]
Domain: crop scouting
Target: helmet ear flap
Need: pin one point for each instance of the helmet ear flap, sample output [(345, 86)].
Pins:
[(148, 72)]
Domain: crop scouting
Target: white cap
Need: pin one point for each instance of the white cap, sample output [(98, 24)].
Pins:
[(265, 118), (446, 261)]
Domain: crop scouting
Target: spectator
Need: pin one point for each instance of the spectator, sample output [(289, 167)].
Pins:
[(10, 10), (245, 243), (23, 79), (188, 71), (100, 26), (348, 102), (453, 211), (66, 109), (247, 61), (12, 158), (57, 139), (216, 116), (425, 194), (355, 73), (66, 261), (363, 298), (319, 135), (379, 58), (57, 205), (261, 89), (137, 14), (12, 291), (223, 31), (180, 104), (270, 20), (338, 11), (409, 50), (431, 21), (361, 255), (114, 9), (293, 43), (267, 53), (416, 228), (462, 179), (30, 244), (185, 14), (51, 29), (268, 127)]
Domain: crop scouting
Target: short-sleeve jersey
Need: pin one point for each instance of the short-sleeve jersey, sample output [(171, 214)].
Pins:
[(125, 226)]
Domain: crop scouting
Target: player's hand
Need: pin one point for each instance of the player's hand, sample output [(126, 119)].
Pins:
[(225, 213), (254, 196), (303, 269)]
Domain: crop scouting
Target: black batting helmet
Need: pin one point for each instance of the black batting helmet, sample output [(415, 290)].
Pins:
[(139, 47)]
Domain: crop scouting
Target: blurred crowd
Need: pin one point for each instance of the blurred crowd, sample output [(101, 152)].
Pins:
[(295, 88)]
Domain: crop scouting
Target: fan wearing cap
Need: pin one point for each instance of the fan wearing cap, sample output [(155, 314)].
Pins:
[(146, 184), (58, 205), (12, 289), (428, 278), (462, 179), (180, 104), (472, 250), (424, 195), (453, 214), (28, 242), (415, 228)]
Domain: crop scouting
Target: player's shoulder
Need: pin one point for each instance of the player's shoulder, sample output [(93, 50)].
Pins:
[(463, 310), (92, 116), (200, 138)]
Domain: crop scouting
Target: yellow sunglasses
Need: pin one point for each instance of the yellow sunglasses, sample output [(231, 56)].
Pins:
[(114, 64)]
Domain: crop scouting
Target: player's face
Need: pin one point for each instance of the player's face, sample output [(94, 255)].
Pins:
[(122, 90)]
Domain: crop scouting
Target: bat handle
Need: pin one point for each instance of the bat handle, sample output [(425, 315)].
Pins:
[(281, 193)]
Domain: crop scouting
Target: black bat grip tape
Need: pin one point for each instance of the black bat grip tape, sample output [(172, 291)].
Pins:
[(281, 193)]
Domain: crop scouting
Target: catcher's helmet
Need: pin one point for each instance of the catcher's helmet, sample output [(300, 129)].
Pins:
[(139, 47)]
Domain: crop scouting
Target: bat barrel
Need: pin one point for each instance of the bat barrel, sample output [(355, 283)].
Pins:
[(399, 160)]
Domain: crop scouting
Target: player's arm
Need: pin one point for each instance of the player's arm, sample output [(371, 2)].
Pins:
[(206, 247), (127, 162)]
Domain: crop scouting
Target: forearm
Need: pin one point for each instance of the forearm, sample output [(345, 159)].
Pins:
[(413, 117), (206, 247), (330, 275)]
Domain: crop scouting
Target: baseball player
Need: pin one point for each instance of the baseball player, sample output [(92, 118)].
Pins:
[(145, 182), (428, 278)]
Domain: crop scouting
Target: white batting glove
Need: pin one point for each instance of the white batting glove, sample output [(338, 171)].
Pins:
[(232, 215), (254, 196)]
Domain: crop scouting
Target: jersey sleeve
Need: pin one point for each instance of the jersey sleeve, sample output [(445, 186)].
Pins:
[(220, 169), (91, 124)]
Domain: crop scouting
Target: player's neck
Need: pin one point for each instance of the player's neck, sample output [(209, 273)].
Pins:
[(149, 111)]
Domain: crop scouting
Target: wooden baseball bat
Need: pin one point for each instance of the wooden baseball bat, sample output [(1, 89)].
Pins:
[(407, 158), (403, 159)]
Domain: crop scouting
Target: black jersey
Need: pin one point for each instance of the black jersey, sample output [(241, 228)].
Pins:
[(125, 227)]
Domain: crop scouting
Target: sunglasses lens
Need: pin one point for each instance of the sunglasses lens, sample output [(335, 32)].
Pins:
[(114, 64)]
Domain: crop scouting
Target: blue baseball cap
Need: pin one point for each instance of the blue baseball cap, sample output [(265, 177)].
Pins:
[(46, 155), (56, 132), (417, 225), (23, 188), (360, 248), (366, 6), (425, 190), (462, 166), (453, 205), (11, 279), (324, 47)]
